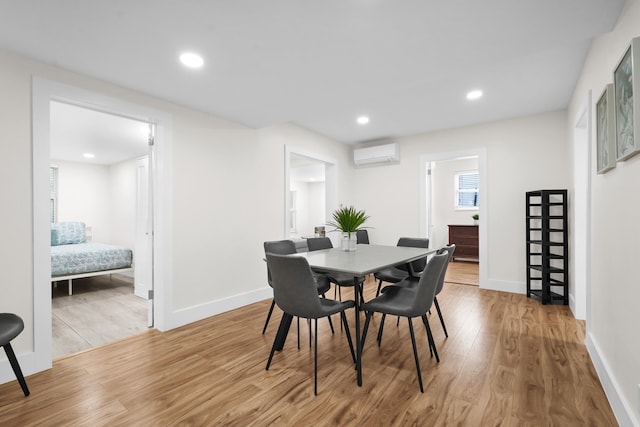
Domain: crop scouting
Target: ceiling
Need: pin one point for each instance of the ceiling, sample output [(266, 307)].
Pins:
[(407, 64), (76, 131)]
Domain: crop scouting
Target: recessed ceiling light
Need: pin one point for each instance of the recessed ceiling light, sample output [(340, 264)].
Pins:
[(474, 94), (191, 60), (89, 155), (363, 120)]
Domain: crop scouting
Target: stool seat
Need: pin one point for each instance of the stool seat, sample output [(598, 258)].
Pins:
[(10, 327)]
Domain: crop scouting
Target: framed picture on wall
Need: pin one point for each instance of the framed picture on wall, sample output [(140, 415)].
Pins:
[(605, 131), (626, 79)]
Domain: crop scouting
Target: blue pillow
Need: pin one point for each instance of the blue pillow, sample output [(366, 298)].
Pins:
[(67, 233)]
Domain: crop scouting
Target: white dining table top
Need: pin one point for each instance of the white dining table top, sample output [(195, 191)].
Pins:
[(366, 259)]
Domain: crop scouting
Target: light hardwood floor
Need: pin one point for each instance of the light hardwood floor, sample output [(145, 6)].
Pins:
[(102, 309), (508, 361)]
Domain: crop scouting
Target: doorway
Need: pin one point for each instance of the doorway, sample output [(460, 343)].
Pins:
[(100, 162), (44, 91), (310, 192), (446, 202)]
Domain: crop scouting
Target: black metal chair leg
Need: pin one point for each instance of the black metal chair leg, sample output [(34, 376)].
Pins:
[(365, 329), (315, 358), (346, 328), (379, 288), (329, 317), (309, 323), (444, 328), (16, 368), (281, 331), (432, 343), (298, 321), (273, 304), (384, 316), (415, 354)]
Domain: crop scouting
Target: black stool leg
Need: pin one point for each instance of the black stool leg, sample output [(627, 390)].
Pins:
[(16, 368)]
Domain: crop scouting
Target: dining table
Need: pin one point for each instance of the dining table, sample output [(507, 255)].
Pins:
[(366, 259)]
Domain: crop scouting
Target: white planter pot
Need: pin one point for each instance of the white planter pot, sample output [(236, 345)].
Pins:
[(349, 244)]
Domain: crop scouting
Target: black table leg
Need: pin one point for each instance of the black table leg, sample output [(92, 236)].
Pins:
[(356, 291), (283, 330)]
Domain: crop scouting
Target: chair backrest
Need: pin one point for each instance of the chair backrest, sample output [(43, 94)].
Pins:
[(449, 250), (426, 290), (362, 237), (282, 247), (294, 289), (318, 243), (414, 242)]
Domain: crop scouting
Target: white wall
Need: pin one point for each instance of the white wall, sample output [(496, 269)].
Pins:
[(523, 154), (122, 203), (227, 189), (310, 206), (83, 195), (612, 315), (103, 197), (443, 206)]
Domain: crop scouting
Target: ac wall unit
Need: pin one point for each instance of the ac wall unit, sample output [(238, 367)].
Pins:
[(377, 155)]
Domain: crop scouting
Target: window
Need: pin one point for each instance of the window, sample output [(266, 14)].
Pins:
[(53, 187), (467, 190)]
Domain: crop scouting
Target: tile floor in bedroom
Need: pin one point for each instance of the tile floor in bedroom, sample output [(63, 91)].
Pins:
[(101, 310)]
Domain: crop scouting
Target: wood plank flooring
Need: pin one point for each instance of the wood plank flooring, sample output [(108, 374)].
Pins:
[(508, 361), (102, 309), (463, 273)]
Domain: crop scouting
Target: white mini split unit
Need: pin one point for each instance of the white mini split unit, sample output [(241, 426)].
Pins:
[(377, 155)]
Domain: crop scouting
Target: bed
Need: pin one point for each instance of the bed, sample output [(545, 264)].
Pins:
[(73, 257)]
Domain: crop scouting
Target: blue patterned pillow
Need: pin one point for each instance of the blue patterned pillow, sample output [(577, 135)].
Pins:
[(66, 233)]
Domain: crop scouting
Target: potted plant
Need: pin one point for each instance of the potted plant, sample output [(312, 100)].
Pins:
[(348, 220), (475, 217)]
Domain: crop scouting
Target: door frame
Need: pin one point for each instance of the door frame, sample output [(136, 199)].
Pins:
[(44, 91), (483, 194), (331, 183)]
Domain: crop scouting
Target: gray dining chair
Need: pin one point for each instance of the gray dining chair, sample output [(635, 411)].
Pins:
[(362, 237), (295, 293), (409, 303), (338, 279), (412, 283), (401, 272), (11, 325), (288, 247), (450, 249)]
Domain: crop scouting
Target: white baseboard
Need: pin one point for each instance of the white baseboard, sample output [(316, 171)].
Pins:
[(202, 311), (505, 286), (622, 409), (27, 363)]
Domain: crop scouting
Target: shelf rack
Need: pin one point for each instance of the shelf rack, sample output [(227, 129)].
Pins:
[(547, 246)]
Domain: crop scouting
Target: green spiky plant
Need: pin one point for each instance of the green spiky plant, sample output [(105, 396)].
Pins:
[(348, 220)]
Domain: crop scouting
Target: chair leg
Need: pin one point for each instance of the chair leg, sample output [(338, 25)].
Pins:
[(273, 304), (346, 328), (432, 343), (384, 316), (329, 317), (365, 329), (379, 288), (415, 353), (298, 321), (16, 368), (315, 358), (275, 340), (435, 301)]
